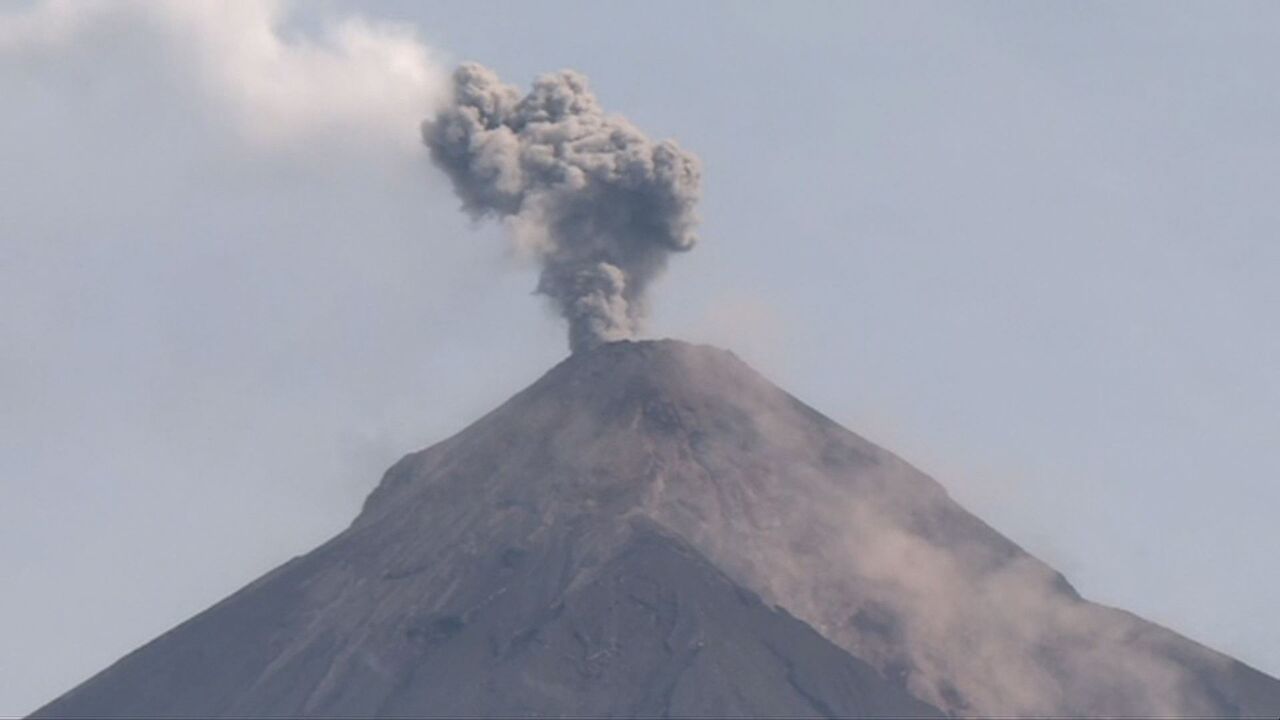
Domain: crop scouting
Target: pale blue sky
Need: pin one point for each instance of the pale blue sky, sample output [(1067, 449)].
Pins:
[(1029, 247)]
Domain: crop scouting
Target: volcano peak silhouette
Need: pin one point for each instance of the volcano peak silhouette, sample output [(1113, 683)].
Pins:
[(654, 529)]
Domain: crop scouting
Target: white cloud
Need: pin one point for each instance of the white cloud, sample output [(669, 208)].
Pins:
[(349, 78)]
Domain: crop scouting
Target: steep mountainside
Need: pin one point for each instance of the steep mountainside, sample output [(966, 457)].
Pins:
[(653, 528)]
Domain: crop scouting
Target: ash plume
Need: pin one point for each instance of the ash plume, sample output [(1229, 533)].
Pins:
[(599, 204)]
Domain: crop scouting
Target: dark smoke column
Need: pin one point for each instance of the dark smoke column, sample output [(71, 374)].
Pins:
[(599, 204)]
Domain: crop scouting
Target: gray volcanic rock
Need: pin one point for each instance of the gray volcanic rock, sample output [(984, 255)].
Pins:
[(619, 538), (654, 632)]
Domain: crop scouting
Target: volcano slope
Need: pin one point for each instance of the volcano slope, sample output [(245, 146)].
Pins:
[(653, 529)]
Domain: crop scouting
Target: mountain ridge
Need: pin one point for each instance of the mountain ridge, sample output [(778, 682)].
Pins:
[(691, 444)]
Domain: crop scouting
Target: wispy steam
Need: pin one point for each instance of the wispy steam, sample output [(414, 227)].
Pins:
[(878, 558), (595, 200)]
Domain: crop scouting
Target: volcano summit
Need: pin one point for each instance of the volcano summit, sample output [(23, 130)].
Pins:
[(653, 529)]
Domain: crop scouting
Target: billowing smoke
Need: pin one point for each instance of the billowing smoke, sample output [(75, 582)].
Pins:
[(599, 205)]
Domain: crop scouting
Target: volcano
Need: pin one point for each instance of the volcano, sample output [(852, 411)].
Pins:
[(654, 529)]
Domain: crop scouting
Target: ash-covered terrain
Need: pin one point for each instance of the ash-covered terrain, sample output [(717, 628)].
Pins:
[(653, 529)]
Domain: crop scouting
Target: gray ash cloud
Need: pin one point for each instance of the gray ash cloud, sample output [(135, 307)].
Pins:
[(599, 204)]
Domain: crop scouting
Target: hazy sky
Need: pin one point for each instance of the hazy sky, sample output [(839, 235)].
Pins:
[(1029, 247)]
